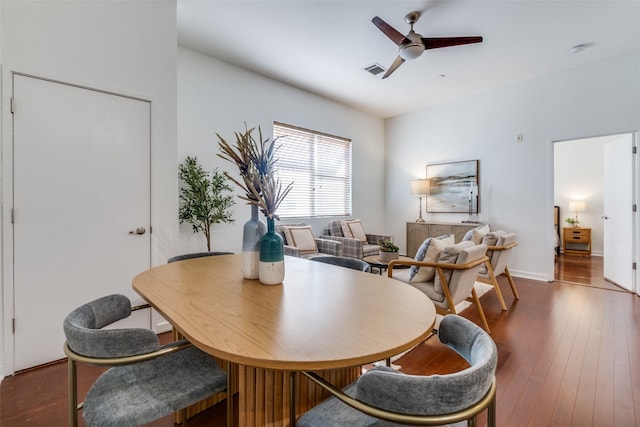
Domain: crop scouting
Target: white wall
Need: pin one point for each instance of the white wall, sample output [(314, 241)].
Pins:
[(125, 47), (215, 97), (516, 178)]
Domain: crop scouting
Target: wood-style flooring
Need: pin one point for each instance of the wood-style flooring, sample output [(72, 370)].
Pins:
[(569, 355)]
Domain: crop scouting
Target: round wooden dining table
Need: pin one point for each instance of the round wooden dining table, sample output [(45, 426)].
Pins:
[(322, 318)]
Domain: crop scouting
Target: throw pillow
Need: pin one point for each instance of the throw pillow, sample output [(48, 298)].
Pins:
[(479, 233), (346, 231), (449, 255), (357, 230), (302, 238), (469, 234), (437, 244), (420, 254)]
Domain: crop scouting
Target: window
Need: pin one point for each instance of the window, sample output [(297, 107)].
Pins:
[(319, 166)]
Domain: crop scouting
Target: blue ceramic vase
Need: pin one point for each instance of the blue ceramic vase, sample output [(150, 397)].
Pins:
[(271, 268), (252, 232)]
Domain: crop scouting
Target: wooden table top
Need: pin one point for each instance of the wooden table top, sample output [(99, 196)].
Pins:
[(321, 317)]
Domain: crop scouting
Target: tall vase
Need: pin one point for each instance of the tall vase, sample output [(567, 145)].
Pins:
[(271, 269), (252, 232)]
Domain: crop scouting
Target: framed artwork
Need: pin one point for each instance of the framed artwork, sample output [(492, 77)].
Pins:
[(453, 187)]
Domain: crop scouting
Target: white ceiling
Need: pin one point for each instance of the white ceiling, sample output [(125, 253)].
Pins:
[(323, 46)]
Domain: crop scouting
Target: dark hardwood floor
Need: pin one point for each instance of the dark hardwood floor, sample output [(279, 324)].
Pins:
[(568, 356)]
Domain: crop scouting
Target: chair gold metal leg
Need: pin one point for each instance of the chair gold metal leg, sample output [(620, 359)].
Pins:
[(511, 283), (72, 376), (292, 399), (491, 413), (184, 417), (230, 381)]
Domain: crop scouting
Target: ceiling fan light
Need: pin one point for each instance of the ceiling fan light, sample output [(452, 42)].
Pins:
[(411, 51)]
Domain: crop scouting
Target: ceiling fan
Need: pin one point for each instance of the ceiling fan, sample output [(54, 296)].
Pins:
[(413, 45)]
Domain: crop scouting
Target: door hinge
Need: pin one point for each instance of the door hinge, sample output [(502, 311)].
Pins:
[(13, 216), (13, 104), (634, 266), (634, 150), (13, 325), (634, 208)]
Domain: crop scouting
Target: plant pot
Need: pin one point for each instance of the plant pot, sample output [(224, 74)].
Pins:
[(388, 256)]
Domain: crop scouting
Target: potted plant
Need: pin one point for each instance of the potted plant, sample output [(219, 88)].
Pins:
[(256, 163), (572, 221), (388, 251), (203, 201)]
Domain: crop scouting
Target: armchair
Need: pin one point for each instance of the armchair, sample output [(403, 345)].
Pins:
[(456, 269), (499, 246), (300, 242), (357, 243), (385, 394)]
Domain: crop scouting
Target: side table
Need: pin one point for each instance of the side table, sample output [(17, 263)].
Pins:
[(374, 262), (576, 241)]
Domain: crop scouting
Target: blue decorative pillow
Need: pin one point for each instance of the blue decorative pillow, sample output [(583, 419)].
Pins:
[(420, 254)]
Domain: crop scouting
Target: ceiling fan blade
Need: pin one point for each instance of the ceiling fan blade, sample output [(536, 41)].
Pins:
[(388, 30), (398, 62), (437, 42)]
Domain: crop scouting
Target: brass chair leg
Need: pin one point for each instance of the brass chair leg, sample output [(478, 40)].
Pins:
[(72, 376), (184, 417), (491, 413), (230, 380), (292, 400)]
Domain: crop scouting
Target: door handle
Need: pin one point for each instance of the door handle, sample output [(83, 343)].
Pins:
[(604, 217), (139, 230)]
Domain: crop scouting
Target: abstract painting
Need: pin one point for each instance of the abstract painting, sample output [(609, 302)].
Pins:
[(454, 187)]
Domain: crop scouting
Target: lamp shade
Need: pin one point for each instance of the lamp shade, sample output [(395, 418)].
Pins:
[(576, 206), (419, 187)]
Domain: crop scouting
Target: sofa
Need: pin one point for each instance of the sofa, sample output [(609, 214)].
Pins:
[(357, 243), (300, 242)]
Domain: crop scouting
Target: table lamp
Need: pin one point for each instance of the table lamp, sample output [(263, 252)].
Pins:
[(576, 206), (420, 187)]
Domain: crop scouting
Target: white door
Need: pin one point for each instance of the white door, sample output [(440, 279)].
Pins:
[(81, 183), (618, 215)]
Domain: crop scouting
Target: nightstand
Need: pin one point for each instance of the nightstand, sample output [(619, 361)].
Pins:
[(576, 241)]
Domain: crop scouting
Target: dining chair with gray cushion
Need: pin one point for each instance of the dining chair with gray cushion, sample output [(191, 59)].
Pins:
[(145, 381), (341, 261), (385, 397)]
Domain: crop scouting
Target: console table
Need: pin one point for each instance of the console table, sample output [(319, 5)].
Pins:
[(417, 232)]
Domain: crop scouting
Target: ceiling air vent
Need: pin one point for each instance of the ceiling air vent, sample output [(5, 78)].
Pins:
[(375, 69)]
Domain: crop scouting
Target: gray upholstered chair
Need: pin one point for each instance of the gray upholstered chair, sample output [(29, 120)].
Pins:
[(144, 381), (355, 246), (452, 278), (499, 246), (196, 255), (341, 261), (383, 395)]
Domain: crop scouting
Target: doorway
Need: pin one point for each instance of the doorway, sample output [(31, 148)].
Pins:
[(593, 188), (80, 202)]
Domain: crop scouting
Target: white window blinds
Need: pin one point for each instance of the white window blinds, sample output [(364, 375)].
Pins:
[(319, 165)]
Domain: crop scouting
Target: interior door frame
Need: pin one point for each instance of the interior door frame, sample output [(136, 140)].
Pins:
[(7, 296), (635, 188)]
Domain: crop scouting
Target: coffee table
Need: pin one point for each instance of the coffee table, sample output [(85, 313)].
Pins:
[(375, 262)]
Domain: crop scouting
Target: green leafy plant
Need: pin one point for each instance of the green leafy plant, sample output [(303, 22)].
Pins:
[(388, 246), (203, 201), (256, 162), (572, 221)]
